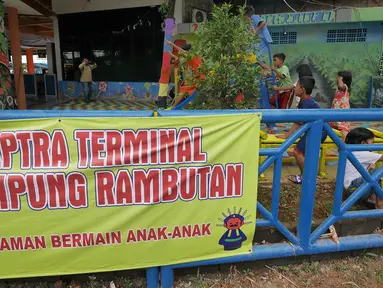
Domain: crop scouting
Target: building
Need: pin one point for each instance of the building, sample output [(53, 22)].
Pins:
[(329, 36), (125, 39)]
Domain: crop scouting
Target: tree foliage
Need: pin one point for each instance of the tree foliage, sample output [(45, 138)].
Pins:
[(167, 8), (226, 47)]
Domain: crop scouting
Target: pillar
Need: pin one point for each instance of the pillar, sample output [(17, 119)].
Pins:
[(50, 58), (30, 64), (14, 35), (57, 49), (7, 100), (178, 11)]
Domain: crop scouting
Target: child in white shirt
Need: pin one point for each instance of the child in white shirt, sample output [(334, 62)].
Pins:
[(353, 179)]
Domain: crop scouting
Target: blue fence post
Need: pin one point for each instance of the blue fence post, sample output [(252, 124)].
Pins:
[(276, 187), (167, 277), (310, 171), (152, 279), (339, 182)]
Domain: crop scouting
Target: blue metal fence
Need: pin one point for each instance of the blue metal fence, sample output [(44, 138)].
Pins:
[(305, 242)]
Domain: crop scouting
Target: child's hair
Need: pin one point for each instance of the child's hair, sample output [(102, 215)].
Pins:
[(249, 10), (308, 83), (187, 47), (280, 56), (304, 70), (359, 135), (347, 78)]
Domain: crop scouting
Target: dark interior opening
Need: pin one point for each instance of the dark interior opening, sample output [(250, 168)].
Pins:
[(126, 44)]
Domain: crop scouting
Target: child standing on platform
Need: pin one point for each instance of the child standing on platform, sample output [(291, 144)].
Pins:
[(283, 74), (342, 100), (352, 178)]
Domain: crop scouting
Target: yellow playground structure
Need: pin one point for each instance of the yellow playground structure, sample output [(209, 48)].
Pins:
[(272, 141)]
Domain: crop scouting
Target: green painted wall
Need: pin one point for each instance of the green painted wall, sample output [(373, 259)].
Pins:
[(326, 59), (367, 14)]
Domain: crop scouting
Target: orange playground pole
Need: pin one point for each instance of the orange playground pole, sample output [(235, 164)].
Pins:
[(14, 35), (30, 64)]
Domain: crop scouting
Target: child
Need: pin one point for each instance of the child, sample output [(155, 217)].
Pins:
[(352, 178), (259, 28), (302, 70), (187, 89), (342, 100), (283, 74), (303, 90)]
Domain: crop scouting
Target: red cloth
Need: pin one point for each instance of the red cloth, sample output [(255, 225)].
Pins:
[(285, 100), (194, 64), (341, 101), (239, 98)]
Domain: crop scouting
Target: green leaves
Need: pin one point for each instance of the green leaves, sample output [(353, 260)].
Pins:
[(226, 47)]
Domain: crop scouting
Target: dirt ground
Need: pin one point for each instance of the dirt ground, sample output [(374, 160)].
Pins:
[(289, 202), (362, 272)]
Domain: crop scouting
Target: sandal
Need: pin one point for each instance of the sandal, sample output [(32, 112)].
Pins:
[(296, 179)]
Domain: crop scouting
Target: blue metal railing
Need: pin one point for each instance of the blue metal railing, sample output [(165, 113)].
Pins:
[(305, 242)]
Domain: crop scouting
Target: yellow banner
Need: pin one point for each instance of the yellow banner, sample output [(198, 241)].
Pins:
[(91, 195)]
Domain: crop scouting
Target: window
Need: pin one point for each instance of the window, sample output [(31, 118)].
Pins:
[(284, 37), (347, 35)]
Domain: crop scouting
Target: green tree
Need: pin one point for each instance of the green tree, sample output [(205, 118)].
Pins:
[(226, 46)]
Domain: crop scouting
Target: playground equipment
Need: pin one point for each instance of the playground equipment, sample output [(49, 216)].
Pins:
[(272, 141), (264, 84)]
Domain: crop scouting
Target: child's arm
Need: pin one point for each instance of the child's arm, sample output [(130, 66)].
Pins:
[(174, 56), (82, 65), (264, 66), (284, 88), (341, 85), (279, 74), (370, 158), (293, 129), (260, 26), (93, 66), (175, 46)]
